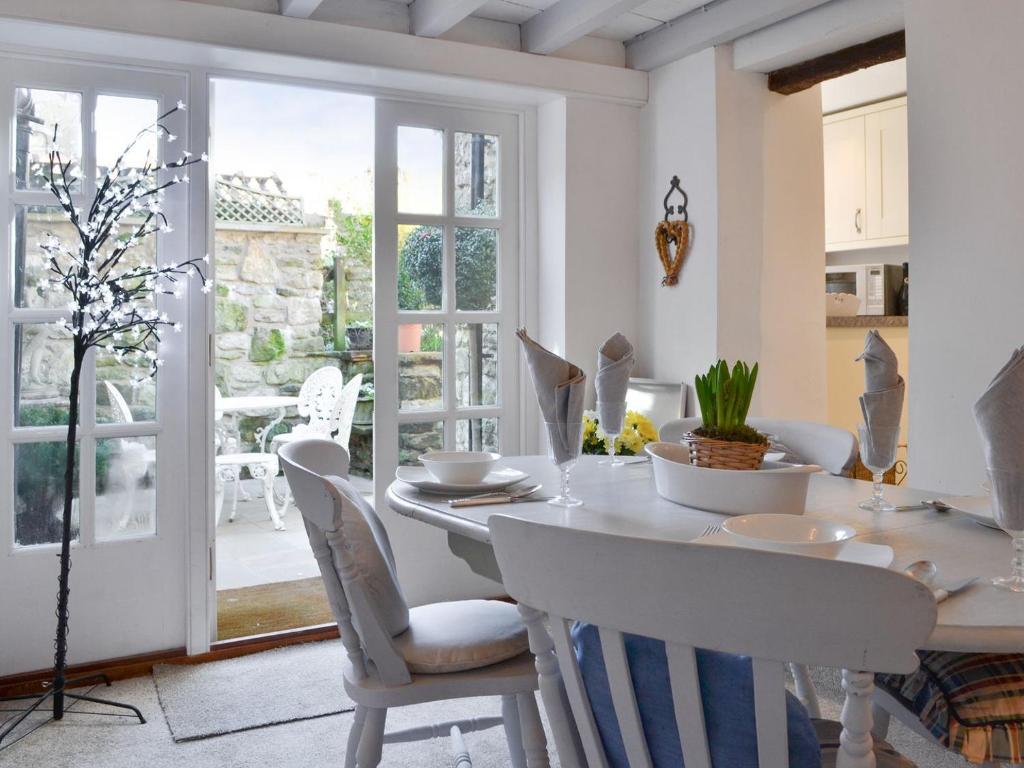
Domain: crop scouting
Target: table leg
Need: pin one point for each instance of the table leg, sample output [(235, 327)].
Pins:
[(266, 473), (856, 744)]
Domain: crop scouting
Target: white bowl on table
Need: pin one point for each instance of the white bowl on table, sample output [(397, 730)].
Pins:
[(789, 533), (461, 467), (775, 488)]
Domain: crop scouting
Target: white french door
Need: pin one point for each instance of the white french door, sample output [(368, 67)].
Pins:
[(446, 273), (130, 528)]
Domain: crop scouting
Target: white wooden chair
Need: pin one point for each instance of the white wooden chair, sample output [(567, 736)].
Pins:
[(690, 596), (397, 656), (831, 448), (660, 401)]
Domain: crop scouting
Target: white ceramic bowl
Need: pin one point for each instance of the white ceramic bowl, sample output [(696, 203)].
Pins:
[(776, 488), (788, 533), (841, 305), (462, 467)]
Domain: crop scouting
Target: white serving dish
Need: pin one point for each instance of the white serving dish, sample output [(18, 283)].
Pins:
[(789, 533), (496, 480), (841, 305), (459, 467), (775, 488)]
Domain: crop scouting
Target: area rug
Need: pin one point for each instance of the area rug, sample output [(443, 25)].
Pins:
[(299, 682), (271, 607)]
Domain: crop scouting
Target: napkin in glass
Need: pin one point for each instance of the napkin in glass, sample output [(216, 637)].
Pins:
[(614, 365), (882, 401), (999, 414), (561, 388)]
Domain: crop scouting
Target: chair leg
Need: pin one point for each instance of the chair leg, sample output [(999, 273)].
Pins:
[(881, 717), (371, 740), (354, 735), (805, 689), (513, 732), (460, 755), (535, 743)]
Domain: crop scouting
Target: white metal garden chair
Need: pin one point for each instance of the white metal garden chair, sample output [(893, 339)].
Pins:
[(690, 596), (397, 656), (135, 460)]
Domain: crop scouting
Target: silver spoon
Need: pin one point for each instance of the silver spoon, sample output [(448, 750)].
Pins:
[(501, 496), (925, 572), (937, 504)]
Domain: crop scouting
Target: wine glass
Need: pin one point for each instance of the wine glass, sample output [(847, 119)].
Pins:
[(1008, 510), (610, 416), (878, 453), (565, 442)]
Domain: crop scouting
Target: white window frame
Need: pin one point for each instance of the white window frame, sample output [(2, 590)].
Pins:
[(390, 115)]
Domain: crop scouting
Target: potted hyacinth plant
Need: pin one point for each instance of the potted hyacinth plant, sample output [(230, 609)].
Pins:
[(725, 440), (113, 301)]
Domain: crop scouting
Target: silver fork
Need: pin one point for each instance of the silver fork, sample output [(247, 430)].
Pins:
[(711, 530)]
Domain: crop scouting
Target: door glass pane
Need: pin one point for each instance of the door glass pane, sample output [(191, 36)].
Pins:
[(43, 359), (119, 119), (476, 174), (420, 267), (476, 269), (33, 225), (476, 435), (39, 493), (125, 392), (125, 487), (420, 170), (420, 366), (414, 439), (38, 112), (476, 364)]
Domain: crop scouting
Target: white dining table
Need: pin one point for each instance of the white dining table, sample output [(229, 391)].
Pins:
[(276, 404), (623, 500)]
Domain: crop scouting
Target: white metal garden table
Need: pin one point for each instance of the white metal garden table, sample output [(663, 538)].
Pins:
[(276, 404), (623, 501)]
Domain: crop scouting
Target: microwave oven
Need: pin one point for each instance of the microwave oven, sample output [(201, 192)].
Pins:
[(875, 285)]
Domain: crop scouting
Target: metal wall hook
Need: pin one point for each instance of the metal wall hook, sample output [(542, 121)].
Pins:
[(676, 210)]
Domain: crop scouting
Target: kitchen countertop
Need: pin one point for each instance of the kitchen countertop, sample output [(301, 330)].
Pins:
[(868, 321)]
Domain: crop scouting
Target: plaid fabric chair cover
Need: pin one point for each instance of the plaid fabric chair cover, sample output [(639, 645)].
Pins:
[(973, 703)]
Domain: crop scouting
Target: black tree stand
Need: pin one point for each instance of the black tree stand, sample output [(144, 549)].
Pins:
[(58, 688)]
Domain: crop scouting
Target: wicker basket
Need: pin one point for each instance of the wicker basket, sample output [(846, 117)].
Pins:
[(724, 454)]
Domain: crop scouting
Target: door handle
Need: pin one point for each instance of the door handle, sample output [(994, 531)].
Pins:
[(856, 221)]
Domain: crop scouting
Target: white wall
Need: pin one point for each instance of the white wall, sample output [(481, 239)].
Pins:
[(865, 86), (965, 118), (751, 163), (677, 325), (793, 377)]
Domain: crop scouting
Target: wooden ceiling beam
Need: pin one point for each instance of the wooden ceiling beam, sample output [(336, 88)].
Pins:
[(299, 9), (800, 77), (569, 20), (432, 18)]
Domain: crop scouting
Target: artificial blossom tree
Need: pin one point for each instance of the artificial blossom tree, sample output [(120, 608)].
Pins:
[(112, 304)]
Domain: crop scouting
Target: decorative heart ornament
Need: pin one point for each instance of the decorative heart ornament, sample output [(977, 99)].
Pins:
[(665, 234)]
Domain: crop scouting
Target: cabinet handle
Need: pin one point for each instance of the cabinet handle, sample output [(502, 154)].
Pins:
[(856, 221)]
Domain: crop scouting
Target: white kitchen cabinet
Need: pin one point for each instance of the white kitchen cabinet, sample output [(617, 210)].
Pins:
[(866, 181)]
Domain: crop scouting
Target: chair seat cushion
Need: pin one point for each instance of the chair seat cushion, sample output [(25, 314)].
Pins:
[(727, 691), (461, 635), (828, 737), (972, 703)]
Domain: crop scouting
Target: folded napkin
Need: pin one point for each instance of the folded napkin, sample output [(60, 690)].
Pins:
[(614, 364), (882, 401), (561, 388), (999, 413)]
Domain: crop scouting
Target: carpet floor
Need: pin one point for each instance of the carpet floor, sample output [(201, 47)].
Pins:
[(106, 742), (272, 607)]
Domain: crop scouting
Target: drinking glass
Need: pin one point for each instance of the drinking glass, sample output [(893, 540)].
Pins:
[(610, 416), (1008, 510), (878, 453), (569, 435)]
